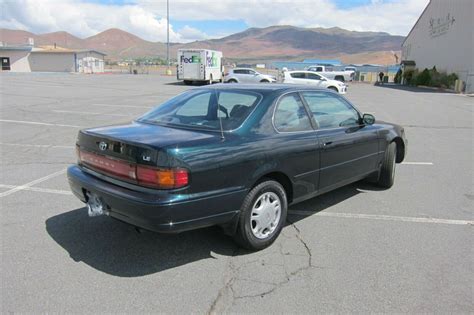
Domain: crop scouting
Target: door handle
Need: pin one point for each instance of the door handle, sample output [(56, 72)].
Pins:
[(327, 143)]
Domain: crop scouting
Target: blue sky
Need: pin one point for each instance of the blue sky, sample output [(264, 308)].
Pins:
[(202, 19), (344, 4), (219, 28)]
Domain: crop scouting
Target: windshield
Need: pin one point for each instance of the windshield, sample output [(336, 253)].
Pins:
[(205, 109)]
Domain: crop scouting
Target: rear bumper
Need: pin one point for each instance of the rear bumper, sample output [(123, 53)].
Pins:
[(159, 211)]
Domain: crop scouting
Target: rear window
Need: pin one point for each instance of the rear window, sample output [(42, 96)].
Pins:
[(205, 109)]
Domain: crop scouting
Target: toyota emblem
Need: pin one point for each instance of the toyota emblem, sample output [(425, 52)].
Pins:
[(102, 145)]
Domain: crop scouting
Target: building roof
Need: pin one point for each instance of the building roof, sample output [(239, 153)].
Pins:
[(16, 47), (90, 50), (329, 62), (52, 49), (61, 50)]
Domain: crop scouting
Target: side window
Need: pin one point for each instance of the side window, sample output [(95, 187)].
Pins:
[(290, 115), (237, 105), (250, 72), (195, 106), (298, 75), (313, 76), (330, 111)]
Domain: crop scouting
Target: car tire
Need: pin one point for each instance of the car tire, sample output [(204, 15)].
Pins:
[(333, 88), (387, 170), (264, 81), (232, 81), (187, 82), (262, 200)]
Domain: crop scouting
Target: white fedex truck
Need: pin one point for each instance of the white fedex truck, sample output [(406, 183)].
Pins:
[(199, 65)]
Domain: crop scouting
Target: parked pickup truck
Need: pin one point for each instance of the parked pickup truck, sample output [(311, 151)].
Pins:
[(346, 75)]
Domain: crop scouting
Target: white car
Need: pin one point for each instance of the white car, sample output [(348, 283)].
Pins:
[(247, 75), (313, 78)]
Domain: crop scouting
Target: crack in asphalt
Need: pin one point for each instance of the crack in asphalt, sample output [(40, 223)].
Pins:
[(300, 238), (290, 275), (216, 306), (226, 296)]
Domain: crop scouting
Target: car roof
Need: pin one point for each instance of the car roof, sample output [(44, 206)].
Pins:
[(306, 71), (262, 87)]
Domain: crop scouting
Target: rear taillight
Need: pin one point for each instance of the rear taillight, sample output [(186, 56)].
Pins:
[(160, 178), (226, 74), (106, 164)]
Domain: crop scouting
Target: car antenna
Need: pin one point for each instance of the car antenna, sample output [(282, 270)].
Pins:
[(219, 116)]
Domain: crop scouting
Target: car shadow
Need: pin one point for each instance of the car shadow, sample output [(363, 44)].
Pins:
[(118, 249), (323, 202), (412, 88), (181, 83)]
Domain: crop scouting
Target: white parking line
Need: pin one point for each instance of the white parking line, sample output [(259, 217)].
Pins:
[(38, 189), (36, 181), (87, 113), (38, 145), (417, 163), (381, 217), (37, 123)]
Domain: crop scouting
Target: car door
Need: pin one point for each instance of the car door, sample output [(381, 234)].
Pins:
[(295, 148), (314, 79), (298, 77), (237, 73), (250, 76), (349, 148)]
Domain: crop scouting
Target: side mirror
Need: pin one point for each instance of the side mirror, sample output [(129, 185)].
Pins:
[(368, 119)]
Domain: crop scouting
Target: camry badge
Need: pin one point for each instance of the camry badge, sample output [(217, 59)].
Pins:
[(103, 145)]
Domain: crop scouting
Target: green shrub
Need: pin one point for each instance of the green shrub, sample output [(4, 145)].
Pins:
[(448, 80), (398, 77), (435, 77), (424, 78), (409, 76), (429, 77)]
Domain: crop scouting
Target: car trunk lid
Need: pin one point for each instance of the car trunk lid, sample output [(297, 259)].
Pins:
[(130, 150)]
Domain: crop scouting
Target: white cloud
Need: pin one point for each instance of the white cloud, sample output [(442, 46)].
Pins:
[(395, 17), (147, 18), (83, 19), (188, 33)]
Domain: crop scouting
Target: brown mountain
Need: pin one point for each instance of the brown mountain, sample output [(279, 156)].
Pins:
[(251, 45), (118, 43), (294, 42)]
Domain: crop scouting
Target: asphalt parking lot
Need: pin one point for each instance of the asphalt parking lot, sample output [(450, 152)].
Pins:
[(357, 249)]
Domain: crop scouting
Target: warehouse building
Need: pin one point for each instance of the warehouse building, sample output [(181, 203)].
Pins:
[(443, 37), (50, 59)]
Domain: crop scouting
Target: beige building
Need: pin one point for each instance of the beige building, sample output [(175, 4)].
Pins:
[(50, 59), (443, 37)]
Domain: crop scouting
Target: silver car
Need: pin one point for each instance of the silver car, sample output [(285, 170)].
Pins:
[(247, 75)]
